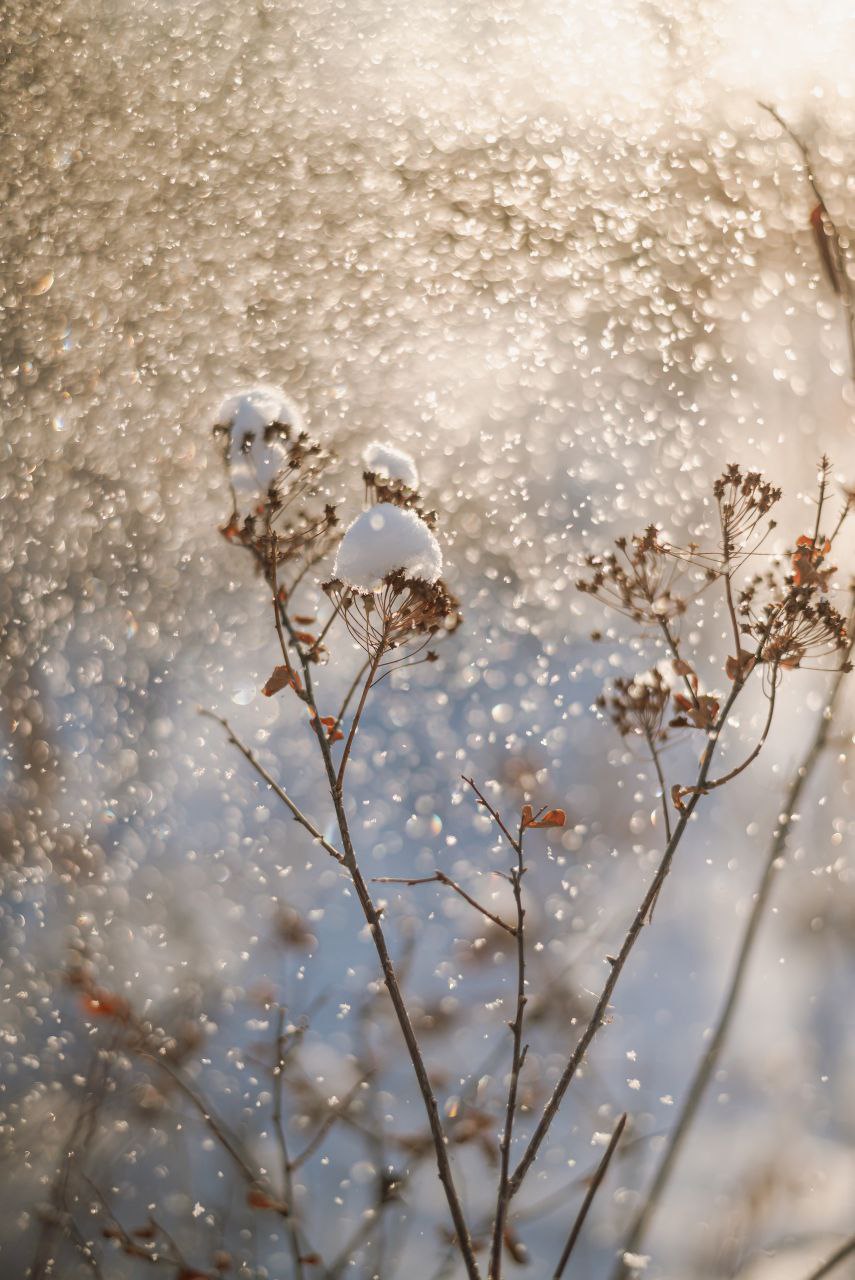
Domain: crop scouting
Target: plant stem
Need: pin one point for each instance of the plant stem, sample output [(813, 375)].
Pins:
[(707, 1065), (618, 963), (845, 1250), (518, 1058), (390, 978), (589, 1197)]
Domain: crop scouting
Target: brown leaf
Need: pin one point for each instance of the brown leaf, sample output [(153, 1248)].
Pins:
[(824, 237), (552, 818), (106, 1004), (258, 1198), (282, 677), (701, 714), (741, 666)]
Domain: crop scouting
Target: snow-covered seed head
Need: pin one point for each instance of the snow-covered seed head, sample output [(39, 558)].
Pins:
[(384, 540), (386, 463), (391, 476), (387, 582), (273, 466)]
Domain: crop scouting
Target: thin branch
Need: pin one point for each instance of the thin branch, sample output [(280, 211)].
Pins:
[(657, 764), (835, 258), (390, 977), (327, 1123), (709, 1061), (618, 962), (597, 1179), (439, 877), (259, 768), (282, 1142), (503, 1196), (845, 1251), (348, 697), (494, 814), (366, 688), (749, 759), (217, 1127)]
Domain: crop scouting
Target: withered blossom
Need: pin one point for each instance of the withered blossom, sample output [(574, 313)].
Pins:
[(399, 617), (639, 579), (638, 706), (744, 499)]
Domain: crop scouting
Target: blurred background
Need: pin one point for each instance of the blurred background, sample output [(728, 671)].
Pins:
[(560, 253)]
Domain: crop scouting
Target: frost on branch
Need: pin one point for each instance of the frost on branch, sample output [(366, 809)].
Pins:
[(385, 540)]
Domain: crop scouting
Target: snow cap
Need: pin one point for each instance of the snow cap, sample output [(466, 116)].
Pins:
[(389, 463), (386, 539), (250, 409), (253, 461)]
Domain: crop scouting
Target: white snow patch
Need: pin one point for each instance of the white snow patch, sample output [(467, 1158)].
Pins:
[(390, 463), (381, 541)]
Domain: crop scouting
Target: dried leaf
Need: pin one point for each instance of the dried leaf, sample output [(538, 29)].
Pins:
[(552, 818), (106, 1004), (824, 237), (258, 1198), (740, 666), (282, 677)]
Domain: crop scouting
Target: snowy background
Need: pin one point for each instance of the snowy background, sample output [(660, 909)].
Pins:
[(559, 253)]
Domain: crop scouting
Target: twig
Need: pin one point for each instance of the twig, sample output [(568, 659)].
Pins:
[(707, 1065), (518, 1058), (349, 695), (326, 1124), (357, 716), (282, 1141), (259, 768), (390, 978), (74, 1150), (835, 260), (217, 1127), (845, 1250), (657, 764), (576, 1229), (439, 877), (618, 962)]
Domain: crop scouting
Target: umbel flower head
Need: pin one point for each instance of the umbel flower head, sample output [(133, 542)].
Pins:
[(639, 579), (387, 584), (744, 499), (638, 706), (274, 468)]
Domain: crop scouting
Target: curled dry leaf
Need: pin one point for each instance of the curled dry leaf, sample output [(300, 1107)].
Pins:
[(552, 818), (282, 677), (741, 666), (807, 559), (106, 1004), (333, 733), (700, 714), (677, 793), (258, 1198)]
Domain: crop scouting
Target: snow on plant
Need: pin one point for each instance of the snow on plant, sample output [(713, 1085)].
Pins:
[(385, 540), (386, 463), (388, 590), (387, 594)]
